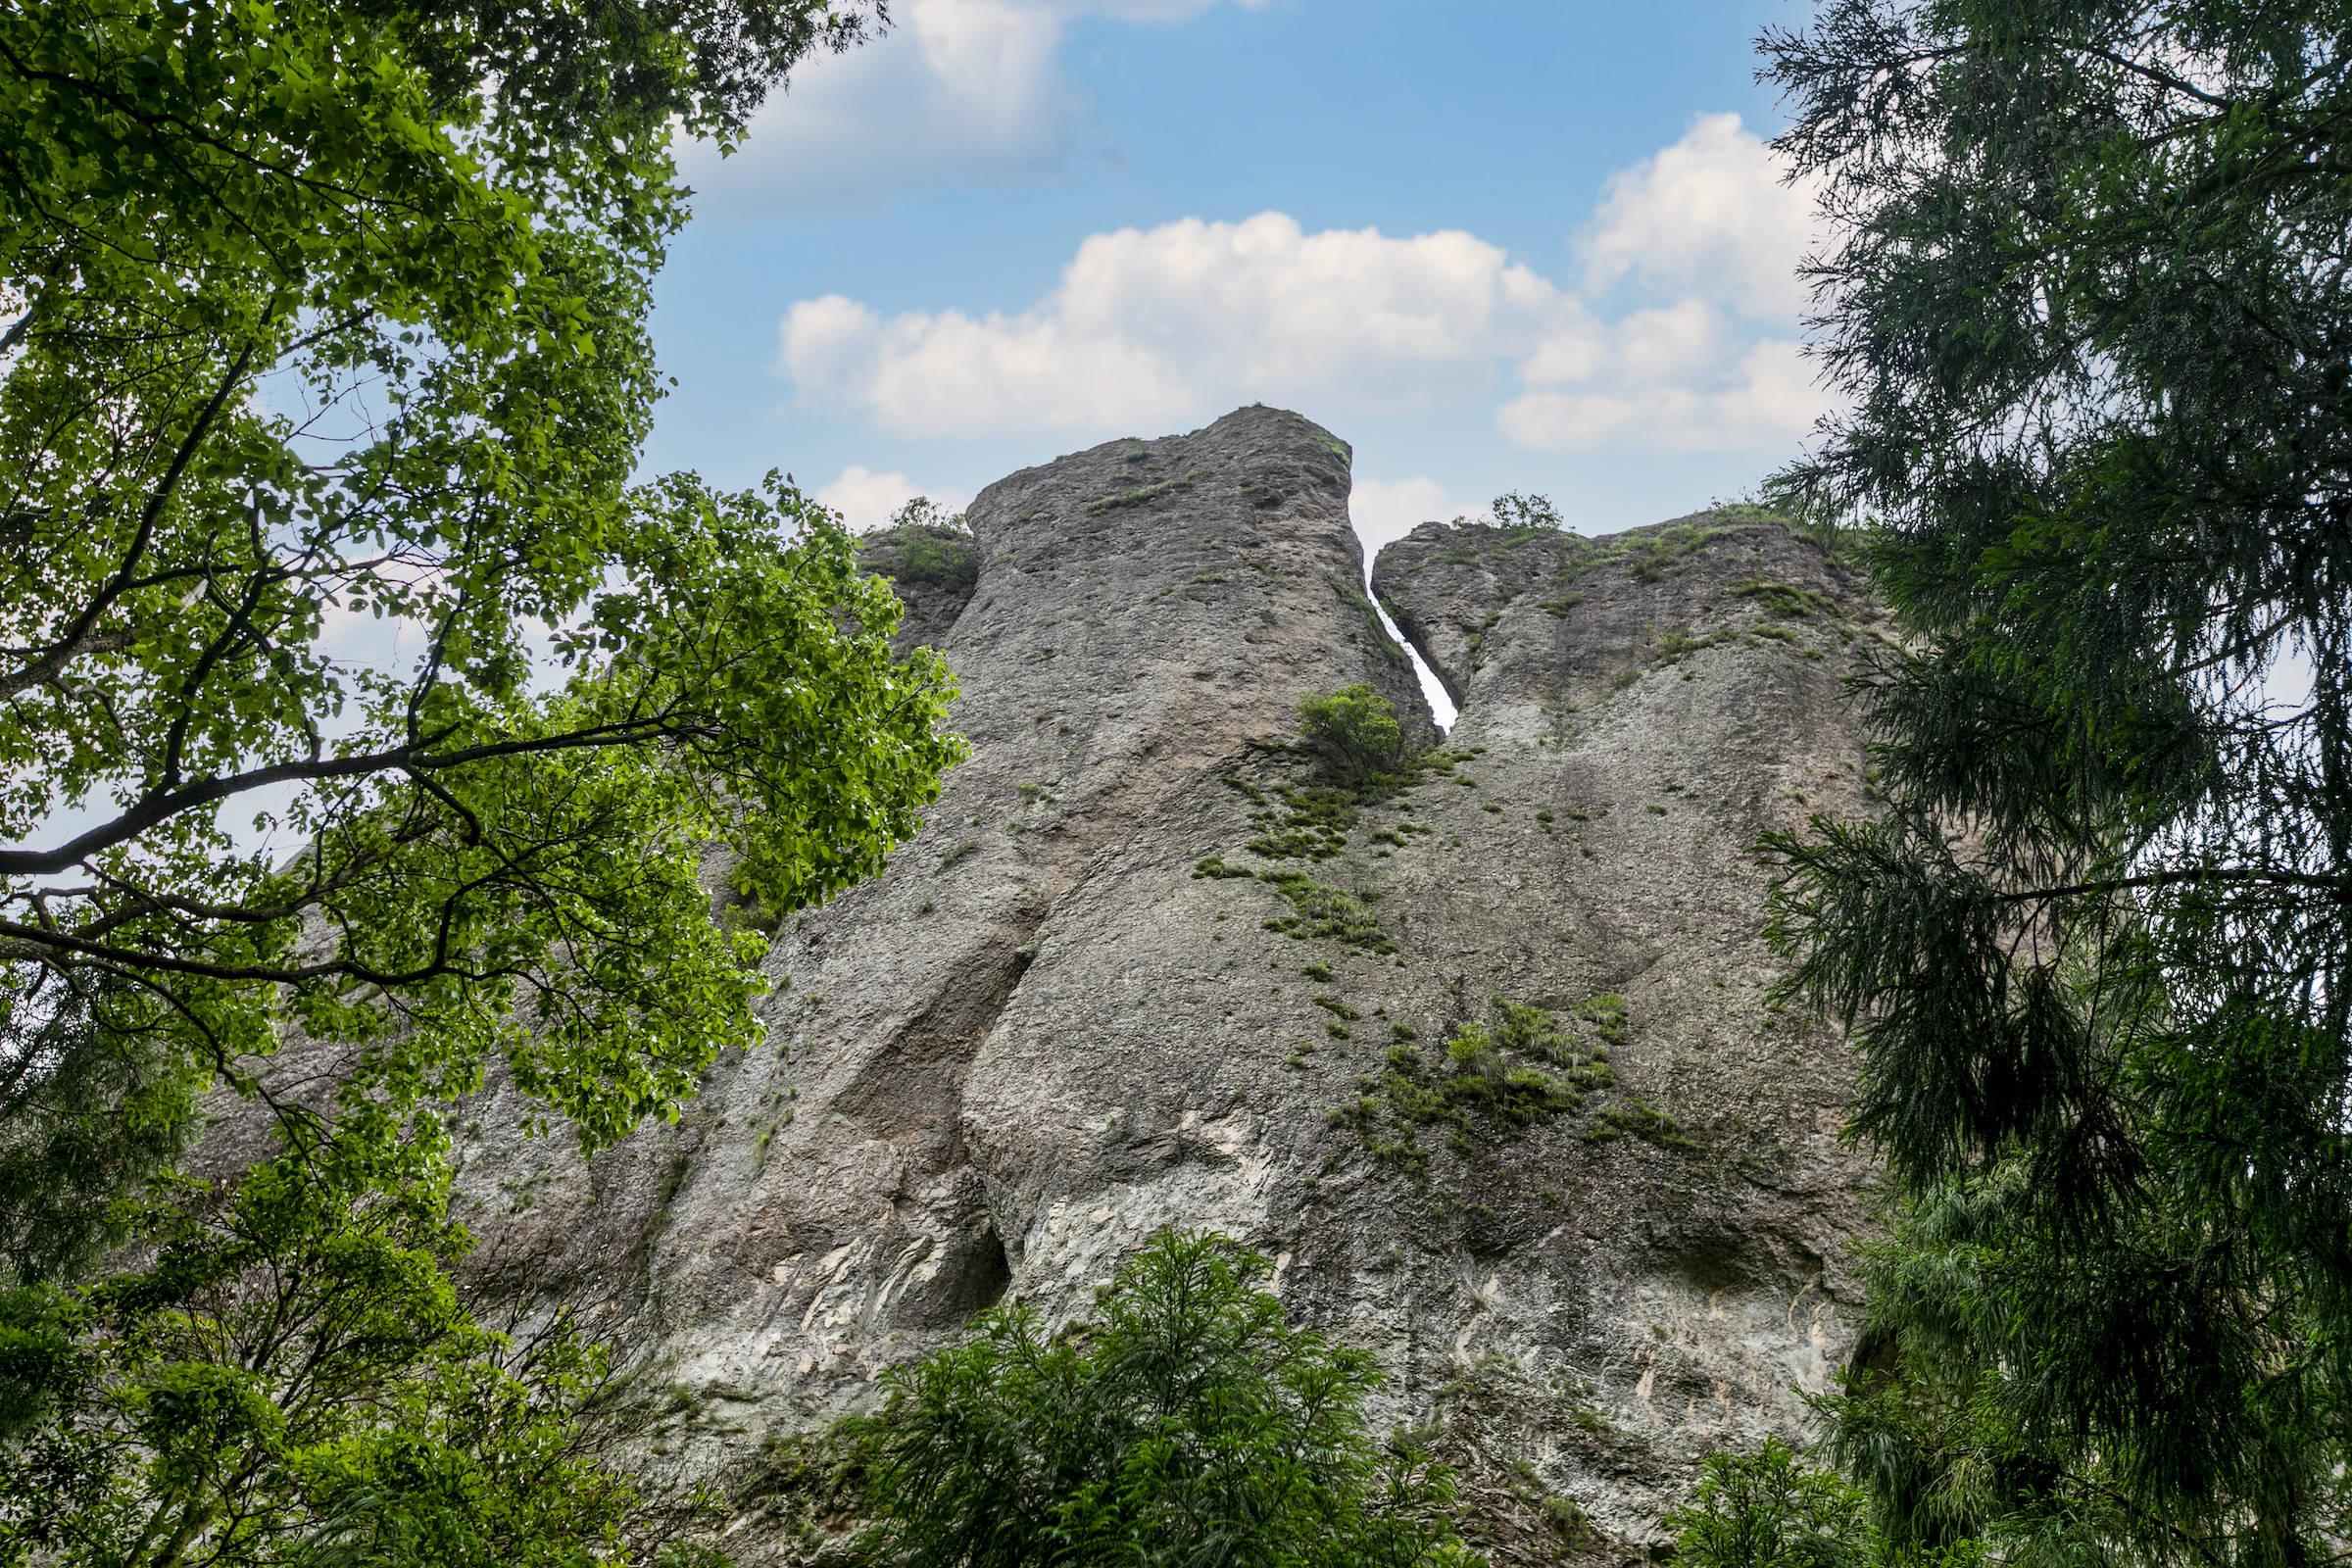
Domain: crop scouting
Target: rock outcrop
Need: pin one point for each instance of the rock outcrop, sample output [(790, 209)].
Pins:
[(1073, 1011)]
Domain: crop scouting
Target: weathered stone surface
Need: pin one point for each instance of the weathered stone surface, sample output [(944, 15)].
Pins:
[(1041, 1035)]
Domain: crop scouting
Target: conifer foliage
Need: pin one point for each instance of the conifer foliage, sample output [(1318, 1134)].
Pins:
[(1185, 1423), (2088, 297)]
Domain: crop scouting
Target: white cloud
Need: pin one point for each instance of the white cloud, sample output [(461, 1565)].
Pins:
[(1710, 215), (958, 90), (1153, 325), (866, 498), (1385, 511), (1765, 401), (1150, 327)]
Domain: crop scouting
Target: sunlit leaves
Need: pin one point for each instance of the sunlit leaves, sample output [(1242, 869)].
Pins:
[(350, 688)]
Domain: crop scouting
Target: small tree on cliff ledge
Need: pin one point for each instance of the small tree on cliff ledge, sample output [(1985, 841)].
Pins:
[(1353, 735)]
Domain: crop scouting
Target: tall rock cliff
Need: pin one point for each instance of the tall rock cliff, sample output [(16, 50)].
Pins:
[(1597, 1237)]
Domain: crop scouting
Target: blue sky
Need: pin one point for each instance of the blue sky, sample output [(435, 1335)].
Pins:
[(1494, 246)]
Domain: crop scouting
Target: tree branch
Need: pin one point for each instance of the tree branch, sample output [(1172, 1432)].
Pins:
[(160, 805), (2340, 885)]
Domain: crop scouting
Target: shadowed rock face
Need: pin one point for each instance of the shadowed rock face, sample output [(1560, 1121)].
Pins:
[(1043, 1033)]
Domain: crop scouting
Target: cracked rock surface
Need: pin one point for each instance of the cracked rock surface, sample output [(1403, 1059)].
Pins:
[(1051, 1027)]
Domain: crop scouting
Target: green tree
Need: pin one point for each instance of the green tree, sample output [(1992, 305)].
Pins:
[(2087, 299), (1353, 735), (1183, 1422), (1521, 512), (350, 690), (293, 1380), (1929, 1418), (349, 687), (1769, 1509), (89, 1111)]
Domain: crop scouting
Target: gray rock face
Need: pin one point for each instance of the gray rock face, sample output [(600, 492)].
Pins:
[(1050, 1028), (934, 570)]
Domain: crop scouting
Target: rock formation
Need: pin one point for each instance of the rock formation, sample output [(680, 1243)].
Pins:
[(1071, 1011)]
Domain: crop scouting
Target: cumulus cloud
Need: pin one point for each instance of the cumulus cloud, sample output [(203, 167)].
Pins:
[(958, 90), (1156, 327), (1711, 214), (1159, 324), (1765, 400), (867, 500)]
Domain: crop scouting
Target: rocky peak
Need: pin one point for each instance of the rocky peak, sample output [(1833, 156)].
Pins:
[(1483, 1059)]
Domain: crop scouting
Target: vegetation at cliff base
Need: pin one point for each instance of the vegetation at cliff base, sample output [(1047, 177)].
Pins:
[(2087, 298), (1770, 1509), (292, 1378), (1183, 1421)]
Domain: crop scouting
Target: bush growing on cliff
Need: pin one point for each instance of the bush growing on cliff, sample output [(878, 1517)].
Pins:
[(1353, 735), (1184, 1421), (925, 544)]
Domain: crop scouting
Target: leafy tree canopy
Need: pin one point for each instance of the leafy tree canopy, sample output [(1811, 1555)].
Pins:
[(1353, 735), (350, 686), (2089, 300), (293, 1380), (1183, 1422), (351, 690), (1770, 1509)]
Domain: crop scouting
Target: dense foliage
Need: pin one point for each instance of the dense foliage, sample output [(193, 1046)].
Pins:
[(352, 695), (1184, 1422), (293, 1380), (87, 1115), (1770, 1509), (350, 687), (2088, 297), (1352, 736)]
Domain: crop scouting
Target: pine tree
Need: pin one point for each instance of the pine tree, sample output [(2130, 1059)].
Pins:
[(2089, 301), (1182, 1422)]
